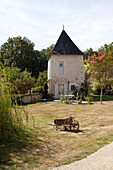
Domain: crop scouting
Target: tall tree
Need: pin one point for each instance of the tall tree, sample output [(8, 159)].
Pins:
[(43, 60), (102, 69), (19, 52)]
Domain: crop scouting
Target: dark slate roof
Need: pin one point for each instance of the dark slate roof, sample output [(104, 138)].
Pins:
[(66, 46)]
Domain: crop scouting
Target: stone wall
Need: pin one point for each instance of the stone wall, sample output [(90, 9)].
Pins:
[(26, 99), (73, 71), (73, 68)]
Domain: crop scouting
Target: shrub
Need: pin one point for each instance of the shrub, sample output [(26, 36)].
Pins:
[(13, 119), (80, 101), (89, 99), (67, 100), (62, 99)]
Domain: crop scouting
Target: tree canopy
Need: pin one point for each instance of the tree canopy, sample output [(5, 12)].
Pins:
[(20, 81), (102, 69), (88, 53), (107, 48), (44, 53), (19, 52)]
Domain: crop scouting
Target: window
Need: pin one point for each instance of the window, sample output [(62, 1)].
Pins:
[(61, 67), (72, 87)]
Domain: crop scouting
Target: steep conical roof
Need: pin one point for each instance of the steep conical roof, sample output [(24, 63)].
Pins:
[(66, 46)]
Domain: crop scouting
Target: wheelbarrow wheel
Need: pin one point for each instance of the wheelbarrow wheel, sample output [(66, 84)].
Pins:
[(75, 126)]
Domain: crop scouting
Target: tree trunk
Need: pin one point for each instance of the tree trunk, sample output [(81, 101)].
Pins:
[(31, 95), (101, 96)]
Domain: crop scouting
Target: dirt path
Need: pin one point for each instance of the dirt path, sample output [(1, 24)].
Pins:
[(100, 160)]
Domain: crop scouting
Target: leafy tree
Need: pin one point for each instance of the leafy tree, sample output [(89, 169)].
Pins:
[(44, 53), (87, 70), (42, 78), (41, 84), (21, 81), (107, 48), (88, 53), (102, 69), (19, 52), (86, 86)]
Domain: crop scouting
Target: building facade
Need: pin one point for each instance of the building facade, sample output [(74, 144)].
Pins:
[(65, 67)]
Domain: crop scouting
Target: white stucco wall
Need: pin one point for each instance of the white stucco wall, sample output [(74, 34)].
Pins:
[(73, 68), (73, 71)]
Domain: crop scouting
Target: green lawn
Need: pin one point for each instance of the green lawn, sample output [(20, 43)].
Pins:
[(104, 97)]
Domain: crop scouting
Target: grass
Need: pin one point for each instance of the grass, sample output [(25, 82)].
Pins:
[(45, 147), (104, 97)]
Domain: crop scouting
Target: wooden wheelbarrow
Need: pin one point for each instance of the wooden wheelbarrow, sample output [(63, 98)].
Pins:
[(68, 123)]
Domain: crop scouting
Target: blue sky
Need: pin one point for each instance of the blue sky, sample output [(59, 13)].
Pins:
[(89, 23)]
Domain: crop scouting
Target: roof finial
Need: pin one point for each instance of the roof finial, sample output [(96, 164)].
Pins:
[(63, 27)]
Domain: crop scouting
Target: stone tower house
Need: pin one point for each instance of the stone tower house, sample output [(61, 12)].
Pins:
[(65, 67)]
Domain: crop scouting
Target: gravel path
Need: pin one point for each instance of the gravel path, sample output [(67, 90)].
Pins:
[(100, 160)]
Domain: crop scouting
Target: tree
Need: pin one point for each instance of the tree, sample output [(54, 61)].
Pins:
[(21, 81), (43, 60), (42, 78), (88, 53), (41, 84), (107, 48), (19, 52), (102, 69)]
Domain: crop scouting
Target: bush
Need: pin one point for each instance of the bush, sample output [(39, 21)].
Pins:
[(96, 88), (80, 101), (13, 119), (17, 99), (75, 91), (89, 99), (109, 89), (62, 99), (67, 100)]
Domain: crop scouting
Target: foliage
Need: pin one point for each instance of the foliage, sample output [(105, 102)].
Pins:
[(65, 100), (96, 97), (80, 100), (107, 48), (18, 52), (89, 52), (42, 78), (87, 70), (21, 81), (75, 91), (89, 99), (109, 89), (13, 119), (62, 99), (84, 89), (41, 84), (95, 87), (87, 83), (102, 69), (44, 53)]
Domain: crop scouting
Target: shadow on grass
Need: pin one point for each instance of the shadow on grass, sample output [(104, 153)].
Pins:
[(104, 97), (22, 149), (73, 131)]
